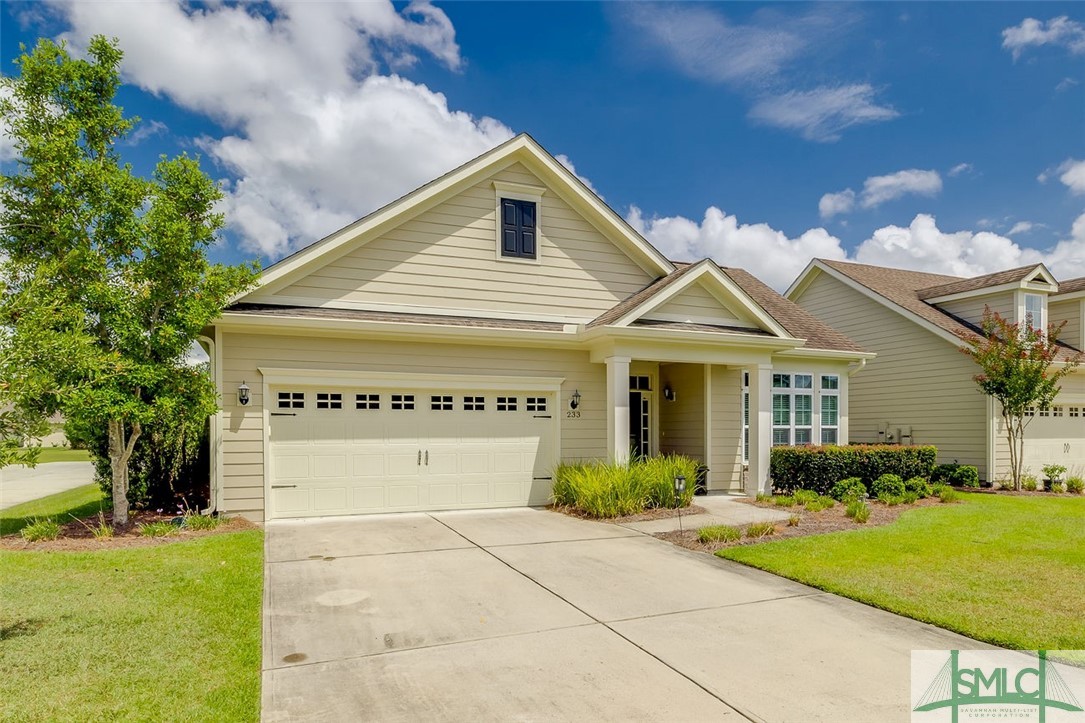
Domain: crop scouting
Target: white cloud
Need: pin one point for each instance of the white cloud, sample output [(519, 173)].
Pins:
[(1066, 84), (881, 189), (317, 135), (832, 204), (959, 169), (1072, 174), (823, 113), (921, 246), (145, 130), (763, 251), (1021, 227), (564, 160), (1031, 33)]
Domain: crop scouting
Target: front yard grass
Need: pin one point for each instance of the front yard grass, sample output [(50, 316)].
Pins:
[(81, 502), (62, 454), (169, 632), (1005, 569)]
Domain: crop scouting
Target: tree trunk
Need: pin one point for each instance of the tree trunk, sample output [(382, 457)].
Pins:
[(119, 453)]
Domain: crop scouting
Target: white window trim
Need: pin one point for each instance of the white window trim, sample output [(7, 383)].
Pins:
[(791, 391), (1043, 310), (822, 393), (518, 192)]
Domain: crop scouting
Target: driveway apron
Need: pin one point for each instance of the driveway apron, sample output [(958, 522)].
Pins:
[(526, 614)]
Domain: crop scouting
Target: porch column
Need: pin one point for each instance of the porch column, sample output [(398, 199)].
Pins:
[(618, 408), (760, 429)]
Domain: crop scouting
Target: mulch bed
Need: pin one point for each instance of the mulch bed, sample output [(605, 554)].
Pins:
[(833, 519), (76, 535), (660, 513)]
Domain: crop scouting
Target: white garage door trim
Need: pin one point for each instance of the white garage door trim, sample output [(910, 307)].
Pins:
[(386, 380)]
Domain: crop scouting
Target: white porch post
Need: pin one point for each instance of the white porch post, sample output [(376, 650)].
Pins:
[(618, 408), (760, 429)]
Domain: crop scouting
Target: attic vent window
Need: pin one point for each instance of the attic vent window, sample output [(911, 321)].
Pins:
[(518, 229)]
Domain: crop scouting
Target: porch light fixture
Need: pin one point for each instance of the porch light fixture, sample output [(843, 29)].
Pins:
[(243, 394), (574, 401), (669, 394)]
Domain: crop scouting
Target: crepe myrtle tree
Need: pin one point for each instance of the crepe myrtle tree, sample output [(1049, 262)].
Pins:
[(106, 281), (1020, 368)]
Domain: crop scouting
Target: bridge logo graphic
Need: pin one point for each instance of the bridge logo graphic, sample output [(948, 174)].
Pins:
[(1023, 688)]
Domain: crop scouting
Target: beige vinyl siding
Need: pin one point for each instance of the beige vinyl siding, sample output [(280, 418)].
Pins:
[(971, 309), (447, 257), (696, 303), (726, 463), (681, 422), (1070, 312), (243, 427), (918, 378)]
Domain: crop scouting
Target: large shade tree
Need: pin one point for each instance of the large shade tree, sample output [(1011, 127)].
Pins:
[(106, 280), (1020, 367)]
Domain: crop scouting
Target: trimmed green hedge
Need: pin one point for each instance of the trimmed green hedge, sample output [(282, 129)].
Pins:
[(819, 468)]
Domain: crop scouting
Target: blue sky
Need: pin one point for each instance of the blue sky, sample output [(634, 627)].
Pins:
[(939, 136)]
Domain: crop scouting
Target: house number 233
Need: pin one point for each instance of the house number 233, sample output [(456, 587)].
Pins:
[(572, 414)]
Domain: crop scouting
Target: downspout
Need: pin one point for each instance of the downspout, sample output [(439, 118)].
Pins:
[(214, 441), (858, 367)]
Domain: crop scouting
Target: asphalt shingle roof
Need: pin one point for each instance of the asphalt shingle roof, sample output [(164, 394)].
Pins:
[(977, 282)]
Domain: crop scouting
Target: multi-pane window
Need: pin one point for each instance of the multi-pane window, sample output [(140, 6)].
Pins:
[(367, 401), (402, 401), (440, 403), (1056, 411), (291, 400), (640, 384), (1034, 311), (506, 404), (745, 416), (830, 409), (1073, 411), (474, 404), (792, 409), (535, 404), (329, 400)]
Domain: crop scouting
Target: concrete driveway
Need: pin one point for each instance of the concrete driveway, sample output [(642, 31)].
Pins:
[(530, 615), (20, 484)]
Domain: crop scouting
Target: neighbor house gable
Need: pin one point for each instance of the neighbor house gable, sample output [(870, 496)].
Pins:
[(437, 250)]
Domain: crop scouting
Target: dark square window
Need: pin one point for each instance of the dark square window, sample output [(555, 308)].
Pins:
[(474, 404), (291, 400), (536, 404), (440, 403), (367, 401), (402, 401), (506, 404), (329, 400), (518, 229)]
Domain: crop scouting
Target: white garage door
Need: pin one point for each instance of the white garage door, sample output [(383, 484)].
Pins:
[(1056, 436), (342, 451)]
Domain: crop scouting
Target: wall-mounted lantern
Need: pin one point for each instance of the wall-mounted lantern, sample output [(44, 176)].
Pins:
[(243, 394), (574, 401)]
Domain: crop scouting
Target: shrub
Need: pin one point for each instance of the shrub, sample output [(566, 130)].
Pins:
[(858, 510), (41, 529), (719, 533), (1054, 485), (803, 497), (784, 501), (1053, 471), (793, 521), (851, 488), (888, 485), (760, 529), (890, 500), (762, 497), (1029, 482), (196, 521), (948, 494), (819, 468), (918, 486), (1075, 485), (607, 489), (157, 529), (820, 503), (958, 475), (909, 498)]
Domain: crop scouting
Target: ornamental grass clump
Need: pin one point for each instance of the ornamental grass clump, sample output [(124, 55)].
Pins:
[(609, 489)]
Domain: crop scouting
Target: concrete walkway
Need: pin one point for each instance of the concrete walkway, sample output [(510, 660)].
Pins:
[(720, 509), (20, 484), (530, 615)]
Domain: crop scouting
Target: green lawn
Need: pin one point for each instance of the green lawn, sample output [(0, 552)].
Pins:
[(1005, 570), (170, 632), (60, 454), (81, 502)]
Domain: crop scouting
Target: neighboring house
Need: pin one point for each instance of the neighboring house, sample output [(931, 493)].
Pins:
[(450, 349), (920, 388)]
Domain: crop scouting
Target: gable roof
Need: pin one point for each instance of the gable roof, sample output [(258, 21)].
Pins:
[(901, 290), (627, 305), (521, 148), (1070, 286), (977, 282)]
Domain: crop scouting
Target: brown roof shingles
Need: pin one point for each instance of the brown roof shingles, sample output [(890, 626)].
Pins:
[(976, 283), (1070, 286), (624, 307), (310, 312)]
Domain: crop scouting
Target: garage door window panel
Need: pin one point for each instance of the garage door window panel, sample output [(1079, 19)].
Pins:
[(402, 402), (291, 400), (367, 401), (329, 400), (507, 404)]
